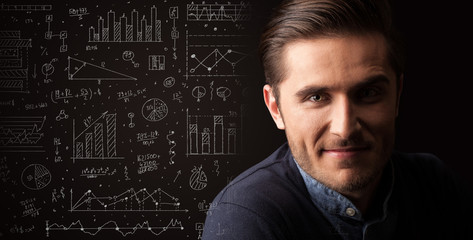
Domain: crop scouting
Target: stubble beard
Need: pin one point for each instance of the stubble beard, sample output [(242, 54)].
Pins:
[(357, 184)]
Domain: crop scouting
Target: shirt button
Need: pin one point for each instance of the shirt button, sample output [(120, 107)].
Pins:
[(350, 212)]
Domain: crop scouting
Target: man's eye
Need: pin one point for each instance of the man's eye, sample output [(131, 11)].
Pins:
[(370, 92), (317, 98)]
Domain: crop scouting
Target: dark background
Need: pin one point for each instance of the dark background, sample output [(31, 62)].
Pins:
[(434, 113)]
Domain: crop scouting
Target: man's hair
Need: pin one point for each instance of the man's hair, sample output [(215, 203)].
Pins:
[(306, 19)]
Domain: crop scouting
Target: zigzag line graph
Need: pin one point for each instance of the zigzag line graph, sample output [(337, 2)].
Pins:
[(217, 55), (112, 225), (21, 134), (127, 201), (172, 144), (218, 12), (212, 60)]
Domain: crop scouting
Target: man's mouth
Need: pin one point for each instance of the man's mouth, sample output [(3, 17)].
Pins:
[(346, 151)]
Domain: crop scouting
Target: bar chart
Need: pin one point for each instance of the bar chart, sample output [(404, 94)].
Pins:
[(213, 134), (98, 140), (126, 29)]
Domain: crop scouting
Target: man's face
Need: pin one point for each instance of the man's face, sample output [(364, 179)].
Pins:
[(338, 105)]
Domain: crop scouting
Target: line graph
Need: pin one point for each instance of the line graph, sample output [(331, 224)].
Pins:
[(127, 201), (112, 225), (218, 12), (21, 133), (213, 59), (216, 55)]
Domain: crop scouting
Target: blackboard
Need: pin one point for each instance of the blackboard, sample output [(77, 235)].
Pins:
[(123, 119)]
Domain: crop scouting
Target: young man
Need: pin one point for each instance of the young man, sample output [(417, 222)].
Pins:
[(334, 80)]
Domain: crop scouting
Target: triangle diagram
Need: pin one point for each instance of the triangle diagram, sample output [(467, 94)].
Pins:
[(81, 70)]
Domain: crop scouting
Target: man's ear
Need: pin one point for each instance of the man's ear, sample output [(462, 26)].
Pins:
[(272, 106), (399, 91)]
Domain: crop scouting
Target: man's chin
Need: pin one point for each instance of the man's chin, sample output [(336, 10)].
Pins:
[(352, 180)]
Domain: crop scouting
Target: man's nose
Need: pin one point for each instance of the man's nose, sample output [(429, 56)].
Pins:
[(344, 118)]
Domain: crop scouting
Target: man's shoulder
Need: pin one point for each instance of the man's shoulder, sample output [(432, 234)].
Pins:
[(426, 176), (422, 183), (267, 201), (424, 165), (271, 177)]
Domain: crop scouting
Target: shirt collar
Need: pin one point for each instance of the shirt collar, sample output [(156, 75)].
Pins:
[(333, 203)]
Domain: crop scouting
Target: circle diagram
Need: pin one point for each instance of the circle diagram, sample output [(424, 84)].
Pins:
[(198, 179), (224, 92), (199, 92), (169, 82), (154, 110), (35, 177), (47, 69)]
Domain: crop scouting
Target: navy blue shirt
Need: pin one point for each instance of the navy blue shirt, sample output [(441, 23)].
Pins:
[(419, 199)]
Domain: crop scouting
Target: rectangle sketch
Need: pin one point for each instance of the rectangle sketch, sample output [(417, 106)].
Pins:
[(13, 62), (25, 8)]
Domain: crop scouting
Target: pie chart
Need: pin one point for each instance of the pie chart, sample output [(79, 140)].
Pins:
[(198, 179), (223, 92), (198, 92), (35, 176), (154, 110)]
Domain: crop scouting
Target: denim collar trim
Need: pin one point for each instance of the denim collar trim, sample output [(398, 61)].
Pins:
[(334, 203)]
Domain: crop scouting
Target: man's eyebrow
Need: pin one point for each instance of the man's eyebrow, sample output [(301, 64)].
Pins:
[(371, 80), (309, 90)]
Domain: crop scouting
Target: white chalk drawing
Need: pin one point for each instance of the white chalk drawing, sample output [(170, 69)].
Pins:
[(82, 70), (198, 179), (169, 82), (21, 134), (62, 34), (114, 226), (174, 14), (48, 69), (14, 62), (35, 177), (154, 110), (224, 92), (216, 55), (172, 145), (199, 92), (98, 140), (178, 173), (156, 62), (128, 56), (25, 8), (62, 115), (131, 115), (127, 30), (213, 134), (218, 166), (64, 96), (218, 12), (78, 12), (130, 200)]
